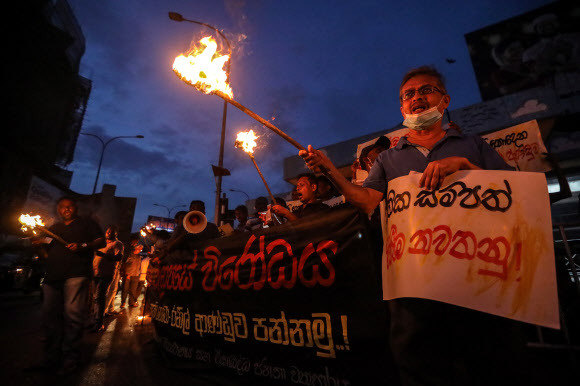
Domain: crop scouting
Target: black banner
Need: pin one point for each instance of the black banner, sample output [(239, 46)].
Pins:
[(294, 304)]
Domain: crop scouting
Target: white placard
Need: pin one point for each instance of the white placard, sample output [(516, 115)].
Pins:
[(483, 241), (520, 146)]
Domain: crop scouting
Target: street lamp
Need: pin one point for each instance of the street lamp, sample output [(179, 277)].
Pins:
[(240, 191), (170, 209), (104, 146), (177, 17)]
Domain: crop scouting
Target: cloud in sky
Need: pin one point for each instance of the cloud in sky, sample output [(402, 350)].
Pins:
[(326, 71)]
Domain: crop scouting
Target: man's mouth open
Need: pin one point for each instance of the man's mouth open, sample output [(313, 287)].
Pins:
[(418, 108)]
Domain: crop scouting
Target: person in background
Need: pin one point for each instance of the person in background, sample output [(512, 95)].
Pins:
[(142, 277), (241, 213), (104, 266), (257, 220), (211, 230), (307, 188), (178, 218), (113, 289), (368, 155), (326, 190), (130, 270)]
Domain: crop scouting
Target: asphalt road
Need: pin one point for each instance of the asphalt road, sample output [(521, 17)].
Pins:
[(124, 354)]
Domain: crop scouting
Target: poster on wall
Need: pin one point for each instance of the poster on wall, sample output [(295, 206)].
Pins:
[(536, 49)]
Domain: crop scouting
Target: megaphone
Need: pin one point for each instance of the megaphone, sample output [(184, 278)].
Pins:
[(194, 222)]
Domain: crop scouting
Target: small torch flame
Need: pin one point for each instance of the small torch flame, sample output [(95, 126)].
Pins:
[(143, 233), (246, 141), (30, 222), (203, 68)]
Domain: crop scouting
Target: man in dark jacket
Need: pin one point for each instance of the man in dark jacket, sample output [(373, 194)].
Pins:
[(66, 286)]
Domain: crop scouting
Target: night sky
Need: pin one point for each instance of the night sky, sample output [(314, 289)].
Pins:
[(324, 71)]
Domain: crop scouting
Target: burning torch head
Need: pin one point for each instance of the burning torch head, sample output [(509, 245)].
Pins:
[(30, 222), (246, 141), (202, 67)]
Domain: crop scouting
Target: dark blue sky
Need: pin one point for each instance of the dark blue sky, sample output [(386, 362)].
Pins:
[(326, 71)]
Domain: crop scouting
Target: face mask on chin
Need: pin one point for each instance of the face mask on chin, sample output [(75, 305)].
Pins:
[(424, 119)]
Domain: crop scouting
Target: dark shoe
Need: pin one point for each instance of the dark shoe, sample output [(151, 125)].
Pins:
[(122, 305), (112, 312), (136, 304), (68, 368)]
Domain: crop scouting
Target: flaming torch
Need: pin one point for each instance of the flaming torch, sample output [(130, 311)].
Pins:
[(202, 68), (35, 223), (247, 142)]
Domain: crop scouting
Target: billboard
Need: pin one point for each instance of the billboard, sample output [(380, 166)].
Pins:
[(540, 48)]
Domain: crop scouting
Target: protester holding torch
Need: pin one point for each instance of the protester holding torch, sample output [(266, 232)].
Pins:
[(433, 342), (66, 287)]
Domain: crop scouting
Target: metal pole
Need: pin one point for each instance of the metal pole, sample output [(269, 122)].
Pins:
[(177, 17), (241, 191), (218, 183), (100, 164), (103, 147)]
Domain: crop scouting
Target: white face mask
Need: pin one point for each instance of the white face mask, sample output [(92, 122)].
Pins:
[(424, 119)]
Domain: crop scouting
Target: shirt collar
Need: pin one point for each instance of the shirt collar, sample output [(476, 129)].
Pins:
[(404, 142)]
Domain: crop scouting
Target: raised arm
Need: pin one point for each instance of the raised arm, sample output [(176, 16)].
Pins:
[(365, 198)]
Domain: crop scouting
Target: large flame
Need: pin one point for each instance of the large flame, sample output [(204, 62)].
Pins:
[(247, 141), (30, 222), (202, 67)]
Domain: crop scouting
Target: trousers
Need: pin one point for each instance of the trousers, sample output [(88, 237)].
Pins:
[(64, 311), (130, 289), (100, 297)]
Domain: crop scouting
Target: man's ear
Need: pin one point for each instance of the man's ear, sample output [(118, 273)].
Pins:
[(446, 100), (314, 187), (402, 113)]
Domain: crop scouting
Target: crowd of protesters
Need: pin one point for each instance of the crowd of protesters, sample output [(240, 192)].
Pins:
[(100, 263)]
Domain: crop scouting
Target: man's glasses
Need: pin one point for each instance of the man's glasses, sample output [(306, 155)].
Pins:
[(427, 89)]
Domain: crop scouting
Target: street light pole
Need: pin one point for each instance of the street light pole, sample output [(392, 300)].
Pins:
[(168, 212), (240, 191), (178, 17), (170, 209), (103, 147)]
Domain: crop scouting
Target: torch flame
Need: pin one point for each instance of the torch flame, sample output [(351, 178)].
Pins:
[(247, 141), (30, 222), (203, 68)]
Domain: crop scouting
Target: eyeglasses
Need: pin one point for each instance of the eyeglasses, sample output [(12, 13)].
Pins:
[(427, 89)]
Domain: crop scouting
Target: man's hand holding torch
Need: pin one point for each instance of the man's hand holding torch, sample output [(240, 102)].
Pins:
[(315, 159), (365, 198)]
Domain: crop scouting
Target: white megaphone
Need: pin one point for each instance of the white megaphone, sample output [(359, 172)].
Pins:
[(194, 222)]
